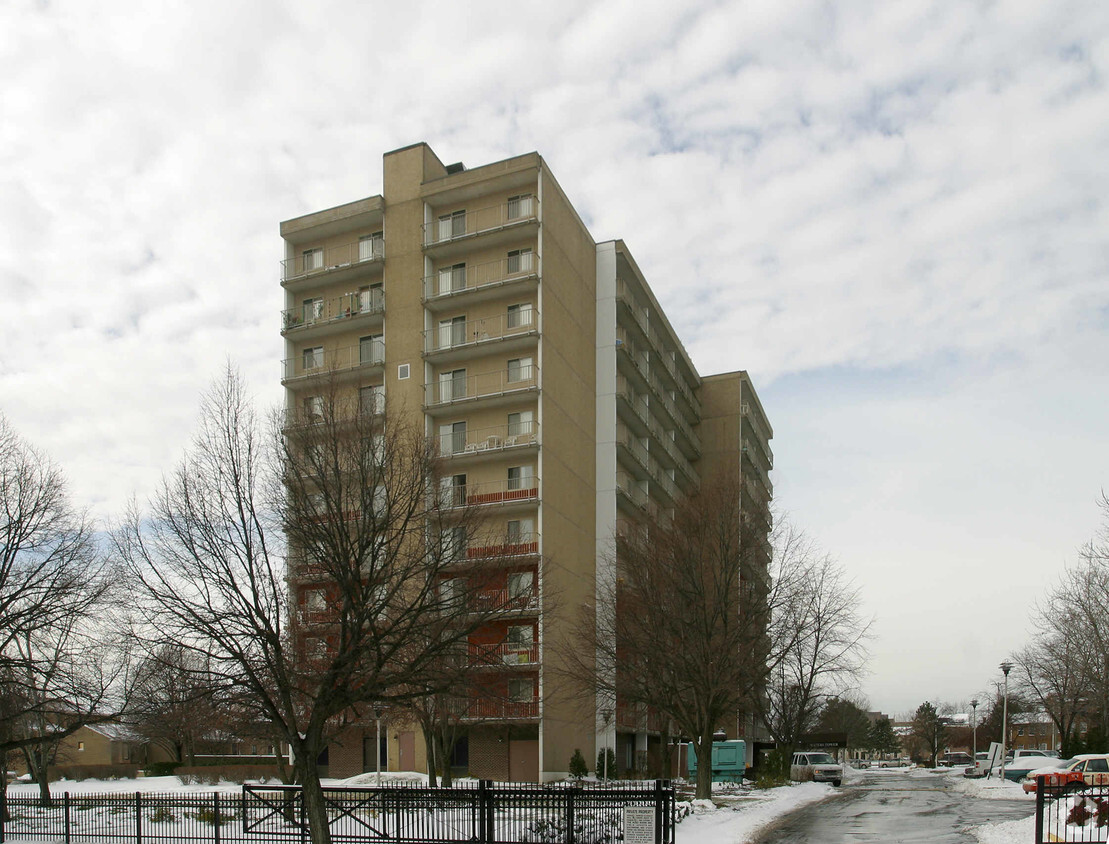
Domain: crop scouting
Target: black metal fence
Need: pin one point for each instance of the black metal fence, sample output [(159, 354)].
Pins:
[(1071, 812), (637, 813)]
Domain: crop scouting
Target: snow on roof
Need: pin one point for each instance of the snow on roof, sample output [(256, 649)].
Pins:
[(115, 732)]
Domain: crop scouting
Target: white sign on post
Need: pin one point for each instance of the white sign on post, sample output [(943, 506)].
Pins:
[(639, 825)]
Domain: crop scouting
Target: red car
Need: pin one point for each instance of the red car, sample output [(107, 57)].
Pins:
[(1086, 769)]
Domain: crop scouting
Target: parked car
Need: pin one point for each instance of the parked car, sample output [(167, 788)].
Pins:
[(1085, 769), (956, 759), (1018, 769), (817, 767)]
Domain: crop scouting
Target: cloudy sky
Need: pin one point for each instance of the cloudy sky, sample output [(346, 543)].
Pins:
[(893, 214)]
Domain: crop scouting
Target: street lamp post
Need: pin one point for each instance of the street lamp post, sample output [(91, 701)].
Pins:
[(1006, 667), (606, 716), (974, 730), (377, 742)]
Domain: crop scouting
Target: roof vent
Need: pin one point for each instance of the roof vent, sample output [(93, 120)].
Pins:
[(457, 167)]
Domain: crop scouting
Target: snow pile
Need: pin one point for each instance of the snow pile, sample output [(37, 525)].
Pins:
[(1007, 832), (742, 821), (990, 789)]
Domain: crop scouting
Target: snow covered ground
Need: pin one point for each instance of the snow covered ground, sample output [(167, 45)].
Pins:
[(734, 816)]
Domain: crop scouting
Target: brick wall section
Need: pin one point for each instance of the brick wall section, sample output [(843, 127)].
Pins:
[(488, 755), (345, 753)]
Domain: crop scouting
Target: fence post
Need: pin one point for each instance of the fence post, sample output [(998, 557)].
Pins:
[(570, 814), (138, 817), (65, 803), (215, 813), (3, 808), (1040, 809), (659, 836), (485, 813)]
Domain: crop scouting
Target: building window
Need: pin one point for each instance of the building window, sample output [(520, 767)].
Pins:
[(312, 310), (454, 541), (520, 477), (370, 246), (452, 278), (313, 358), (452, 438), (452, 385), (314, 600), (371, 349), (519, 369), (452, 332), (521, 690), (519, 206), (520, 530), (519, 315), (519, 261), (371, 298), (313, 259), (80, 745), (521, 585), (521, 424), (404, 372), (371, 399), (313, 409), (452, 491), (452, 225)]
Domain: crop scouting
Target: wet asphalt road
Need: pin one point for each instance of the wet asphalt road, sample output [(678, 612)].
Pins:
[(895, 808)]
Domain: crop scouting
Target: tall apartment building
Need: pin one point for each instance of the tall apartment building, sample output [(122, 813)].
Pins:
[(477, 302)]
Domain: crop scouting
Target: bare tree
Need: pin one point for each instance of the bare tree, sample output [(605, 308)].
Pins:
[(60, 665), (820, 635), (359, 616), (173, 705), (681, 622)]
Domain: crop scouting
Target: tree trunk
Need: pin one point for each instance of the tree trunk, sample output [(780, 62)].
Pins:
[(36, 759), (429, 745), (315, 812), (703, 749), (445, 760)]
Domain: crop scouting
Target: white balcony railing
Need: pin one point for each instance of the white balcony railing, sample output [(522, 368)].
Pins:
[(463, 334), (473, 441), (459, 279), (319, 361), (323, 311), (459, 388), (329, 258), (467, 223)]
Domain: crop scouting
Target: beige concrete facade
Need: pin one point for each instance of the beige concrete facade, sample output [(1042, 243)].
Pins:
[(479, 305)]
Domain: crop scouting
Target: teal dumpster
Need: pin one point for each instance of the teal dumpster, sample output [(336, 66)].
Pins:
[(729, 761)]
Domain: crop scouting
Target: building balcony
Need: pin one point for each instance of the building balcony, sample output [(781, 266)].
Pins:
[(323, 315), (631, 446), (479, 282), (494, 709), (488, 442), (461, 227), (490, 493), (631, 491), (512, 550), (504, 654), (504, 385), (508, 601), (333, 263), (363, 358), (671, 369), (457, 340)]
